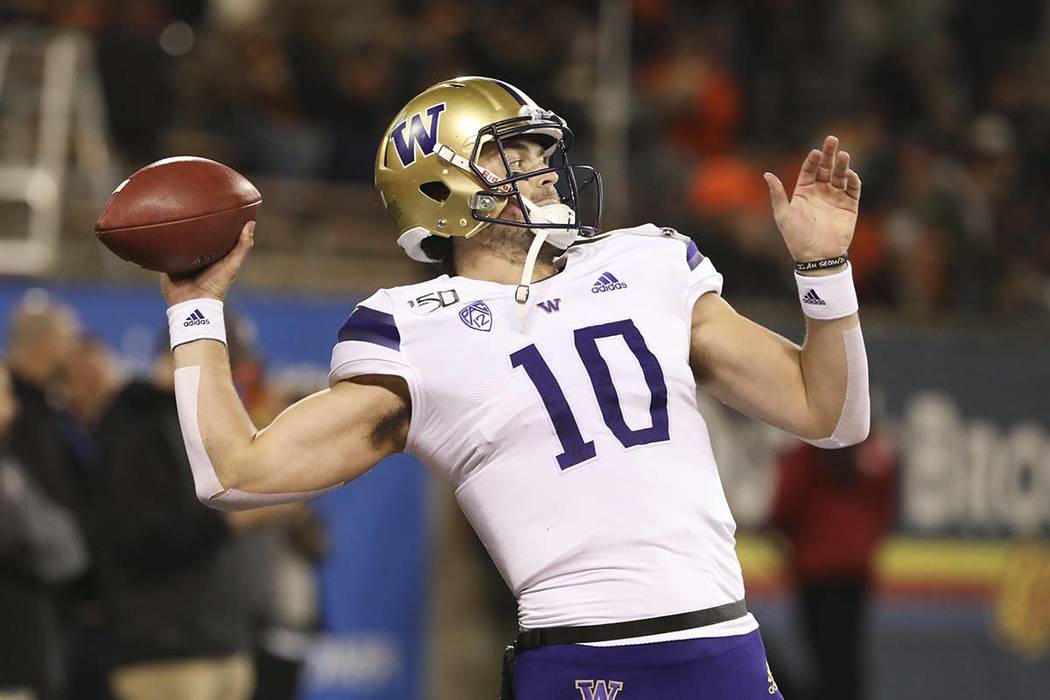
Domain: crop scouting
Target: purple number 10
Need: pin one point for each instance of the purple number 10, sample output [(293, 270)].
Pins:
[(574, 448)]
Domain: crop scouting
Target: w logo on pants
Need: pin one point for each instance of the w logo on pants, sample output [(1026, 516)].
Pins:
[(599, 690)]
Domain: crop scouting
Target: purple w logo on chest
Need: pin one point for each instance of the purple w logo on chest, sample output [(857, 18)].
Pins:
[(550, 306), (599, 690)]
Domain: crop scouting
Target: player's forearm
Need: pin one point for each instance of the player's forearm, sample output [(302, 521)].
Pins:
[(226, 430), (824, 368), (833, 361), (234, 466), (316, 444)]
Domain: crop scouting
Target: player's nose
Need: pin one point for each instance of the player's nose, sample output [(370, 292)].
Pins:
[(547, 180)]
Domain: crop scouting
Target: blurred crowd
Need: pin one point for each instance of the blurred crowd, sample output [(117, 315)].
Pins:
[(115, 581), (943, 104)]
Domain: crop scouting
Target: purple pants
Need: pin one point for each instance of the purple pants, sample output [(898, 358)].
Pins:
[(722, 668)]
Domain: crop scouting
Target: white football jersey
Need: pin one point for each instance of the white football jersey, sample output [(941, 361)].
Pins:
[(572, 436)]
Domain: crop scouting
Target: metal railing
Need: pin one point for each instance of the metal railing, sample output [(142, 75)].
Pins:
[(50, 99)]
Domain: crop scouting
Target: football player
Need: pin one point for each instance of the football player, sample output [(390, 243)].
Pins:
[(550, 375)]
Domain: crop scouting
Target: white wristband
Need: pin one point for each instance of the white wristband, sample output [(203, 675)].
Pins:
[(828, 297), (196, 319)]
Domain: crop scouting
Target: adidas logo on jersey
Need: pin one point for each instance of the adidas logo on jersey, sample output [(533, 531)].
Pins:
[(811, 297), (196, 319), (607, 283)]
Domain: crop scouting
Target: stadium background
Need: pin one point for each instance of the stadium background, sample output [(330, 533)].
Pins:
[(943, 105)]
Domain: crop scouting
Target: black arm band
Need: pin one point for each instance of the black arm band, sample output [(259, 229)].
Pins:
[(821, 264)]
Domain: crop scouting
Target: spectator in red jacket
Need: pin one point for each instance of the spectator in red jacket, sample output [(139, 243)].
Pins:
[(834, 507)]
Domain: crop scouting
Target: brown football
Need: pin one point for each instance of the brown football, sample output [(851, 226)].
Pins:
[(178, 215)]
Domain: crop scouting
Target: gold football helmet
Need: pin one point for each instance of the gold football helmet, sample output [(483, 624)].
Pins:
[(430, 180)]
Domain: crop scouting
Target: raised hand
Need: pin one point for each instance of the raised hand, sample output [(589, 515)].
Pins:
[(213, 281), (818, 221)]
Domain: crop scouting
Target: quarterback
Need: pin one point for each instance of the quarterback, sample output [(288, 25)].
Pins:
[(550, 376)]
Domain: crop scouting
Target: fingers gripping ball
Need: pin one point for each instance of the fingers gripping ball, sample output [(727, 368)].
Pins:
[(178, 215)]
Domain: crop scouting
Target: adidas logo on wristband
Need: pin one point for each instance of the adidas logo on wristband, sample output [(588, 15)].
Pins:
[(811, 297), (197, 319)]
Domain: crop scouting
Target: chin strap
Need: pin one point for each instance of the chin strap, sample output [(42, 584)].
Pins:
[(521, 294), (561, 238)]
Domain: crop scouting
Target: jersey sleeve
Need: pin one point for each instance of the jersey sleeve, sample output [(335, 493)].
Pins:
[(369, 342), (702, 277)]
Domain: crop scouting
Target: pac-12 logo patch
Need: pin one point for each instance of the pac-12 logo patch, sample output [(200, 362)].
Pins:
[(425, 136), (477, 315)]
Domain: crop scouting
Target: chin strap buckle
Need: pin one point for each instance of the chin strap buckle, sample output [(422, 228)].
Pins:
[(521, 294)]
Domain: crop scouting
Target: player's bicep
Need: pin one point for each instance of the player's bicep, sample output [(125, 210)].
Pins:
[(331, 437), (746, 366)]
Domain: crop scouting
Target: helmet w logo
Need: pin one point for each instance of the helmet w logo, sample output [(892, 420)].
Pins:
[(425, 136), (599, 690)]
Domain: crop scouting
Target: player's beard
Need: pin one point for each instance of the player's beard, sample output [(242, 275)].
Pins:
[(511, 243)]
